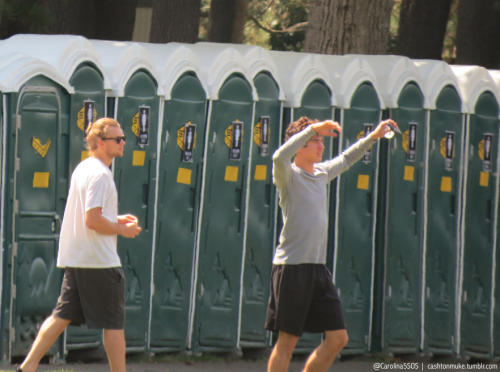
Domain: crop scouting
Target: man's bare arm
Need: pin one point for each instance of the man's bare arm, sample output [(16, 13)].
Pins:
[(94, 220)]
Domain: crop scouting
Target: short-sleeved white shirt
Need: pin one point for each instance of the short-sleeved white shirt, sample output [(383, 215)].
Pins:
[(92, 186)]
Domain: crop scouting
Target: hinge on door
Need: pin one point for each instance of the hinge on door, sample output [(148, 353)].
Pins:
[(12, 334), (18, 121), (13, 291), (14, 249), (18, 164), (16, 206)]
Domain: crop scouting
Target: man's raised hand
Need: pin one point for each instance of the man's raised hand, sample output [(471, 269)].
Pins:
[(327, 128), (381, 129)]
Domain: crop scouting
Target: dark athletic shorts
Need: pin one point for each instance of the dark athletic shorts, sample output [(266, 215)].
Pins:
[(303, 299), (95, 297)]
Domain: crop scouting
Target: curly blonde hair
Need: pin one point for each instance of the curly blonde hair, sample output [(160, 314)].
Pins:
[(298, 126), (97, 130)]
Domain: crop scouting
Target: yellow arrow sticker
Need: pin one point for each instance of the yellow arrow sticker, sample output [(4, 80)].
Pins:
[(135, 124), (41, 149)]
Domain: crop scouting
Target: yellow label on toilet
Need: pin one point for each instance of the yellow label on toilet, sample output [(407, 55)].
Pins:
[(85, 155), (260, 173), (409, 172), (363, 181), (41, 179), (484, 179), (184, 176), (138, 158), (231, 174), (446, 184)]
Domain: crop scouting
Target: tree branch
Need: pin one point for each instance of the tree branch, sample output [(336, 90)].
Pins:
[(294, 28)]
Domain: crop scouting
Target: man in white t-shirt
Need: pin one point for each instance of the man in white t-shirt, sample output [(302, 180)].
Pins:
[(93, 288)]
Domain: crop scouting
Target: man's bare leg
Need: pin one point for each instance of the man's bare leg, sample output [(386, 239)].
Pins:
[(322, 358), (114, 342), (282, 352), (48, 334)]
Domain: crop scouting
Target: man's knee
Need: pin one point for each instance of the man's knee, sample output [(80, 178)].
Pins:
[(337, 339), (286, 343)]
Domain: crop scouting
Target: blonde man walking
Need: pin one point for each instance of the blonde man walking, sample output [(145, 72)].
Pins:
[(93, 288)]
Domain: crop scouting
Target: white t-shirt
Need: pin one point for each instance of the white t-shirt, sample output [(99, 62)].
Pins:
[(92, 186)]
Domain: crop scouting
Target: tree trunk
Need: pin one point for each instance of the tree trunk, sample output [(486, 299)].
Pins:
[(240, 19), (175, 20), (114, 19), (227, 21), (422, 27), (348, 26), (73, 17), (478, 31)]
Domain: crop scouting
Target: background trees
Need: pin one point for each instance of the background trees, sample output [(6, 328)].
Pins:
[(458, 31), (348, 26)]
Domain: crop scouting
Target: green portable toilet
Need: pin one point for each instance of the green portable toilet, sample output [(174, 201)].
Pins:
[(398, 260), (221, 231), (355, 88), (480, 198), (305, 81), (34, 189), (262, 206), (79, 63), (180, 158), (495, 75), (442, 208), (134, 101)]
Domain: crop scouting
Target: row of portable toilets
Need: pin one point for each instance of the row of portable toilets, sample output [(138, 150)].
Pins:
[(413, 225)]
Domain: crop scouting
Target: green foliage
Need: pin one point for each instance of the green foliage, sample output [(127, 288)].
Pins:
[(266, 17), (289, 13), (449, 49), (26, 16), (393, 30), (277, 15)]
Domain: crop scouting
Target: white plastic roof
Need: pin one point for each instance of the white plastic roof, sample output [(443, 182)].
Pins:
[(474, 81), (495, 75), (63, 52), (219, 61), (435, 76), (347, 73), (297, 71), (393, 73), (17, 68), (259, 60), (121, 60), (171, 61)]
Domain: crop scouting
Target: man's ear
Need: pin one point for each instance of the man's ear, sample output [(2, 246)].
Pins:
[(100, 143)]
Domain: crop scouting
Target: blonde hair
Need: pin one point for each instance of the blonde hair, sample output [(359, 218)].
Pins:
[(97, 130)]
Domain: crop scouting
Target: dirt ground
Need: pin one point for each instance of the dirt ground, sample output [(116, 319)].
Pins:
[(258, 363)]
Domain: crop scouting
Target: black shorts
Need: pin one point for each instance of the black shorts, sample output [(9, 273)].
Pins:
[(95, 297), (303, 299)]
